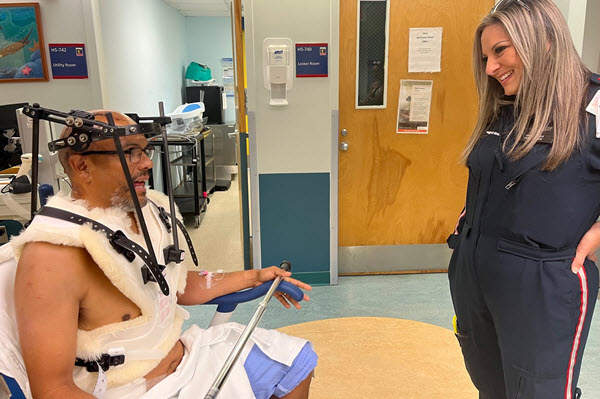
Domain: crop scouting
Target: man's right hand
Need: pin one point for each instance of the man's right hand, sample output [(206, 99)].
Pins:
[(271, 273)]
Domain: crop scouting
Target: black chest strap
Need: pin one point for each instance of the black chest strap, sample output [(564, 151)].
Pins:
[(165, 217), (123, 245)]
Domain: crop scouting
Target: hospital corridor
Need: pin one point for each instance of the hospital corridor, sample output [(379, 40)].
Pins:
[(284, 199)]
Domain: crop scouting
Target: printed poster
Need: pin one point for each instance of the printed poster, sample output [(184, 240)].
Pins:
[(414, 104)]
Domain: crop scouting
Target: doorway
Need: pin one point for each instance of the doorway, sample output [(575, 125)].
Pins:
[(400, 194), (221, 238)]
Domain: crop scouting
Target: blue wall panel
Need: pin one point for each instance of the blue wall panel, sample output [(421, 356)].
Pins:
[(294, 221)]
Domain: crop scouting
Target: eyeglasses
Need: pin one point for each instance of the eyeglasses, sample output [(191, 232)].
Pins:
[(135, 153), (507, 2)]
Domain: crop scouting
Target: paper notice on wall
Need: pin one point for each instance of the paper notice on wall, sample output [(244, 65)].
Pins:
[(227, 62), (228, 76), (228, 86), (425, 50), (414, 105)]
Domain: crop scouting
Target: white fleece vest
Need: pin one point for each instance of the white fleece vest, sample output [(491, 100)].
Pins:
[(145, 340)]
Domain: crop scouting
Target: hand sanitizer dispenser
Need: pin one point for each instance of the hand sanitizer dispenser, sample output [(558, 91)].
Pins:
[(278, 69)]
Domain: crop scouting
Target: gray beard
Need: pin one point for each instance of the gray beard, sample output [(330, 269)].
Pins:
[(122, 199)]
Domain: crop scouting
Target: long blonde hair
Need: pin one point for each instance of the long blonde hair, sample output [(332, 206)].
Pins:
[(553, 86)]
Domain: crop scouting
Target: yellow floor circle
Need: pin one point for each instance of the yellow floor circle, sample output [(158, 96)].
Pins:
[(377, 357)]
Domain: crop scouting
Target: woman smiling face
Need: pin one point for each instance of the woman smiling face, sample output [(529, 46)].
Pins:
[(501, 59)]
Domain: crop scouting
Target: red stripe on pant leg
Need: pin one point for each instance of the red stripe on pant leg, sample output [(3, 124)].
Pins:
[(459, 218), (577, 338)]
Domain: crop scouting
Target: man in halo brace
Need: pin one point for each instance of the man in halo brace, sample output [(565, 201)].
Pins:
[(80, 303)]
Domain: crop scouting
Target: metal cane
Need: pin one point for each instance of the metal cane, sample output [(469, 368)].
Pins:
[(241, 342)]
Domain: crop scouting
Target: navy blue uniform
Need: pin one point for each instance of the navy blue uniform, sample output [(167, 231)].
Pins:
[(523, 316)]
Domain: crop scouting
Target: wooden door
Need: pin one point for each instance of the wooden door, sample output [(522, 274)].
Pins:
[(398, 192)]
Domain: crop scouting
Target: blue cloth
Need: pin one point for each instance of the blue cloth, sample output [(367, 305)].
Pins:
[(268, 377)]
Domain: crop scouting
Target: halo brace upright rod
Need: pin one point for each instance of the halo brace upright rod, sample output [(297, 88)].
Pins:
[(136, 202), (35, 166), (172, 253), (85, 131), (241, 342)]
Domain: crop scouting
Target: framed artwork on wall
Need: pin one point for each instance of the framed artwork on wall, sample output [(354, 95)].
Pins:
[(22, 52)]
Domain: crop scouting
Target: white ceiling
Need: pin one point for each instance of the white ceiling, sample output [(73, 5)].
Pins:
[(198, 8)]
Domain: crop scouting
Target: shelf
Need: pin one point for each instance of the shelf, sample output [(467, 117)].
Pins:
[(183, 142), (189, 195), (187, 206), (185, 160), (185, 190), (210, 185)]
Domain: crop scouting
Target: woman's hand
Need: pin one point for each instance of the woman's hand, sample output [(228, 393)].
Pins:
[(271, 273), (587, 247)]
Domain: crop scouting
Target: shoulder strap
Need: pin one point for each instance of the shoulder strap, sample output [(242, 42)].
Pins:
[(119, 241)]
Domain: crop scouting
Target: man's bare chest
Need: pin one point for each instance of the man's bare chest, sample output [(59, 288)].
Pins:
[(103, 303)]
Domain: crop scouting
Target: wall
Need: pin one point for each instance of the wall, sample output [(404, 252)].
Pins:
[(136, 56), (208, 41), (290, 135), (293, 191), (62, 94), (590, 48), (582, 17), (563, 5), (143, 44)]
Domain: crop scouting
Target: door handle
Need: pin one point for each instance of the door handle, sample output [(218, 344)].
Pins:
[(344, 146)]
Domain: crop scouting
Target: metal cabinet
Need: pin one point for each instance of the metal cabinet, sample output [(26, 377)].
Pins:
[(191, 162), (225, 154)]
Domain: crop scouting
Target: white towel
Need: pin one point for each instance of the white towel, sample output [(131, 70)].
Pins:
[(11, 361)]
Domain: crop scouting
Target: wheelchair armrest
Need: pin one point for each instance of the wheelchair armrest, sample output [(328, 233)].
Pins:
[(227, 303), (13, 387)]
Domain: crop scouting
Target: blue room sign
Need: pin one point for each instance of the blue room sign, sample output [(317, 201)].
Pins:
[(68, 61), (311, 60)]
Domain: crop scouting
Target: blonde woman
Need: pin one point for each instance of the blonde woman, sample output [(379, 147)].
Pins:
[(522, 283)]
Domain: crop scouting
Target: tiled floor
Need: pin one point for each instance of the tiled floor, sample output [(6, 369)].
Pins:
[(217, 241), (422, 297)]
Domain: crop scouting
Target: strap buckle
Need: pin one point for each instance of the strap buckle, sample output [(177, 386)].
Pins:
[(147, 275), (129, 255), (106, 361), (172, 255), (164, 217)]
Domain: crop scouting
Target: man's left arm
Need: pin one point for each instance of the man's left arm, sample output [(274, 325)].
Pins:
[(196, 291)]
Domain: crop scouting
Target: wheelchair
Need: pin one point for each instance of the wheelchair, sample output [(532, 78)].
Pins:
[(18, 386), (85, 129)]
